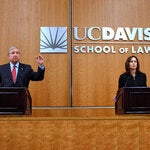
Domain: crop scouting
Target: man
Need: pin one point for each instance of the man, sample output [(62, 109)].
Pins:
[(16, 74)]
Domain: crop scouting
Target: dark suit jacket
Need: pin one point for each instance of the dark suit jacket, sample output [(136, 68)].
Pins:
[(25, 74), (127, 80)]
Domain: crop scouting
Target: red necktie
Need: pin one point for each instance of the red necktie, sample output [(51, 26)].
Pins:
[(14, 73)]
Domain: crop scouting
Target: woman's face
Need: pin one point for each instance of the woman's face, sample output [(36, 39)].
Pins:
[(133, 63)]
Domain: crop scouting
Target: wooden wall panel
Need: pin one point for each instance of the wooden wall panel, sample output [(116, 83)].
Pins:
[(20, 22), (72, 134), (95, 76)]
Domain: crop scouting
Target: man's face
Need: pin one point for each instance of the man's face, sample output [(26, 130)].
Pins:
[(14, 56)]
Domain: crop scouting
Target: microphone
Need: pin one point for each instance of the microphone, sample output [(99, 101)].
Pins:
[(127, 81)]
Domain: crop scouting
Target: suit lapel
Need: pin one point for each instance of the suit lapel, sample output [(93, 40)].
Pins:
[(8, 72), (20, 69)]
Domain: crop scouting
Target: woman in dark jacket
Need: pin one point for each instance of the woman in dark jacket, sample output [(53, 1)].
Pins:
[(133, 77)]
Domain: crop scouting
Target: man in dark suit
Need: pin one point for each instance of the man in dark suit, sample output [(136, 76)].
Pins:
[(23, 72)]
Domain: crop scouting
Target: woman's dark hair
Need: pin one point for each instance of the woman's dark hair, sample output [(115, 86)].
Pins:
[(127, 64)]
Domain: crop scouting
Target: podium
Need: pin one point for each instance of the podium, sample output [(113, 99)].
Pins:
[(15, 101), (133, 100)]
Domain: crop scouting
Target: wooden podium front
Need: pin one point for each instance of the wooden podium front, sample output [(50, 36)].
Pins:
[(15, 101), (133, 100)]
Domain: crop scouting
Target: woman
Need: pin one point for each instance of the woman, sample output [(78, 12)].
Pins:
[(133, 77)]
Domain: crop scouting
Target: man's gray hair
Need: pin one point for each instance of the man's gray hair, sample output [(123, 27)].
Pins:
[(11, 48)]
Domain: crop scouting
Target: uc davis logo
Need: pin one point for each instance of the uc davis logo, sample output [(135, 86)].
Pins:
[(53, 39)]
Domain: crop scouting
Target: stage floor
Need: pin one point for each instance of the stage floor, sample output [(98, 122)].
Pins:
[(77, 113)]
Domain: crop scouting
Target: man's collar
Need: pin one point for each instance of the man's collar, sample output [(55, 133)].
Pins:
[(11, 64)]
